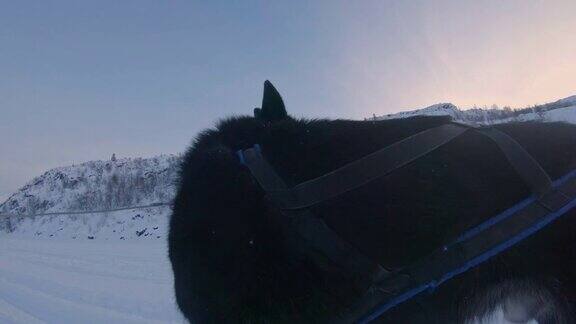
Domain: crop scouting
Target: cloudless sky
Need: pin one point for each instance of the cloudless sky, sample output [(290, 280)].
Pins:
[(80, 80)]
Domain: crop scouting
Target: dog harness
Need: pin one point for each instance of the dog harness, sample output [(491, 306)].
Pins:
[(549, 201)]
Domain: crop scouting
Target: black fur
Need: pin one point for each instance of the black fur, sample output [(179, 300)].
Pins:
[(233, 263)]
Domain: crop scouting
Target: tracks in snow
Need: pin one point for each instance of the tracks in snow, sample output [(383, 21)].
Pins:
[(44, 281)]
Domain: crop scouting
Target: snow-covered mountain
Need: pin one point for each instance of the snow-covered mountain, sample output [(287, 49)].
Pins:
[(101, 189), (97, 185), (561, 110)]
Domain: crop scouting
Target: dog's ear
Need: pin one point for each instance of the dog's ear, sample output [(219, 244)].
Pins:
[(272, 105)]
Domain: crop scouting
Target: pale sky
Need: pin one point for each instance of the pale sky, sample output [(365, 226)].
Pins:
[(83, 79)]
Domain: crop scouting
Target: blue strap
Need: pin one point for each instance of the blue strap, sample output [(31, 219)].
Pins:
[(432, 284), (241, 156), (509, 212)]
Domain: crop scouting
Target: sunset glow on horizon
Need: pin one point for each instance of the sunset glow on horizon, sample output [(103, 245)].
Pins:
[(509, 53)]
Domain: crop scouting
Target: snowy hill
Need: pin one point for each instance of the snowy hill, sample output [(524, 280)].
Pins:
[(99, 193), (563, 110), (570, 101), (97, 185)]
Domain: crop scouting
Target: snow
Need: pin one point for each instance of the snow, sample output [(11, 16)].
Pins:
[(497, 317), (471, 116), (138, 223), (567, 114), (563, 110), (571, 101), (98, 185), (96, 281), (92, 187), (85, 281), (92, 267)]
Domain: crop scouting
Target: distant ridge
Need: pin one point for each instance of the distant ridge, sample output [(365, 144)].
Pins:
[(97, 185), (116, 199), (563, 110)]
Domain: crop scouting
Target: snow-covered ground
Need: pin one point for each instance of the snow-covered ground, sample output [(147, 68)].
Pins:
[(85, 281), (94, 281)]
